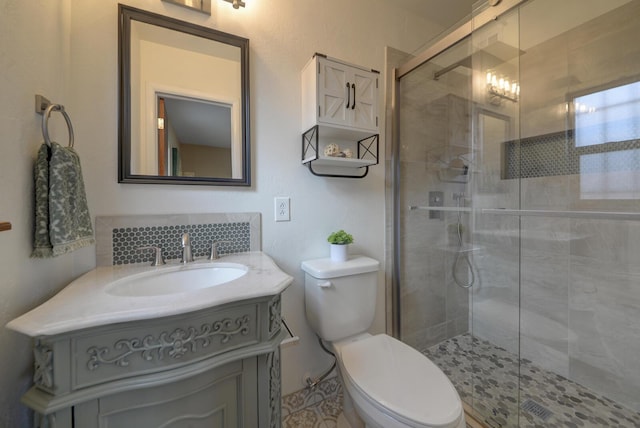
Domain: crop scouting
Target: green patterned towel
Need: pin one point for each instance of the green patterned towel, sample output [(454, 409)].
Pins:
[(62, 222)]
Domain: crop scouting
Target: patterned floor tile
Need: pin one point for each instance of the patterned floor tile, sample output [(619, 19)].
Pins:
[(490, 379), (305, 418)]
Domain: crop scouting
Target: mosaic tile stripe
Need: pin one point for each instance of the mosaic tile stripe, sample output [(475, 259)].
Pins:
[(556, 154), (127, 240)]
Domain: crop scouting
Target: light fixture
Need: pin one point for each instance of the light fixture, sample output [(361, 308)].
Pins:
[(161, 123), (203, 6), (501, 87), (236, 3)]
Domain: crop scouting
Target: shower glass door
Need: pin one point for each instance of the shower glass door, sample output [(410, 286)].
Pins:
[(436, 254), (517, 213), (496, 296), (556, 315)]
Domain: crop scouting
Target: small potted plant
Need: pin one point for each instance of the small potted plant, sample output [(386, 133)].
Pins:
[(339, 241)]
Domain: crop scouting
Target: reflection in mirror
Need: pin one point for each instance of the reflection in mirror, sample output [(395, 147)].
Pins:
[(184, 102), (194, 138)]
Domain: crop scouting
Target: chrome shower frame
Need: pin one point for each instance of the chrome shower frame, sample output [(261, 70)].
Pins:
[(492, 10)]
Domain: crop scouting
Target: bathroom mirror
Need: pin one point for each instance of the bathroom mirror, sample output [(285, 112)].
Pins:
[(184, 102)]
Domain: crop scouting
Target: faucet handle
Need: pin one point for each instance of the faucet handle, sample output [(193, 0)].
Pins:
[(159, 258), (214, 249)]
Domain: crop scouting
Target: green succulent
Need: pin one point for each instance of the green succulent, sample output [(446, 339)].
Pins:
[(340, 238)]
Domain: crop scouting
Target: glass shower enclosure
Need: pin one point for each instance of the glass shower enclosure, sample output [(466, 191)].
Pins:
[(516, 200)]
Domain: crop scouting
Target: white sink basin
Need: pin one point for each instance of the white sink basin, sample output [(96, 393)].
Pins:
[(176, 279), (114, 294)]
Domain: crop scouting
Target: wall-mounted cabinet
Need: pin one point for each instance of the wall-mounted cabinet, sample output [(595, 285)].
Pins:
[(339, 106)]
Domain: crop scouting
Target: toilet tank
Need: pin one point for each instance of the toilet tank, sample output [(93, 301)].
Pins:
[(340, 297)]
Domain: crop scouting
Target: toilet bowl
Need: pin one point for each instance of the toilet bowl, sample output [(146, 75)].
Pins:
[(391, 385), (387, 384)]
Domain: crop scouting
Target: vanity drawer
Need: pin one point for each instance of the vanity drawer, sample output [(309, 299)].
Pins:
[(151, 346)]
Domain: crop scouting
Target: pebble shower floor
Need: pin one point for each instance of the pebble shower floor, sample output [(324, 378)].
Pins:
[(487, 377)]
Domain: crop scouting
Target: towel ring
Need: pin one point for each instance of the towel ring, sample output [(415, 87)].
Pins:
[(45, 122)]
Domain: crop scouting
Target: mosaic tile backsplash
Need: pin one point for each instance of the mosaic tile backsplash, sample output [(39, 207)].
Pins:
[(119, 237), (127, 240)]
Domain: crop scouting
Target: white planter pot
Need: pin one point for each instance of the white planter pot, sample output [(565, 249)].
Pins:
[(339, 253)]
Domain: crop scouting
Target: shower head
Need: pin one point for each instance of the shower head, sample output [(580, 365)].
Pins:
[(458, 166), (455, 171)]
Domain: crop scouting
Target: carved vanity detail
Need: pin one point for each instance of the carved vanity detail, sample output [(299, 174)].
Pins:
[(215, 366)]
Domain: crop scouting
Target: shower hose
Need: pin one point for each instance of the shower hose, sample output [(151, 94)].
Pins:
[(460, 255)]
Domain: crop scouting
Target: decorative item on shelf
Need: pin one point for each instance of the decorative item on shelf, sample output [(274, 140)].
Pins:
[(340, 241), (331, 149)]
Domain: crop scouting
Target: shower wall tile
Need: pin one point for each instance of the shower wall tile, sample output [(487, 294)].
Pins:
[(544, 81), (604, 327), (427, 302), (544, 313), (545, 193), (417, 182), (457, 297), (496, 296), (610, 385), (428, 336), (616, 242)]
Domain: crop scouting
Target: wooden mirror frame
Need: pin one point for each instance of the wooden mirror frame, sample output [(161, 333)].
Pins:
[(125, 15)]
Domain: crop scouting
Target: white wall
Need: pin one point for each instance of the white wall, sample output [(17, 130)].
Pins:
[(34, 58), (67, 50), (283, 36)]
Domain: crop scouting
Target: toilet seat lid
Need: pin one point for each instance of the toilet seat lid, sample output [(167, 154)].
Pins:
[(402, 380)]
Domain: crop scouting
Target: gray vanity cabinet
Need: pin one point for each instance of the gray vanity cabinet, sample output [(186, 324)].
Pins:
[(214, 399), (218, 367)]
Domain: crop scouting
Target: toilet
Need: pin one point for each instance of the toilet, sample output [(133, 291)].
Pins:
[(387, 384)]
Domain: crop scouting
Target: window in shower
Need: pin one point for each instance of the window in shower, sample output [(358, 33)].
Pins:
[(607, 141), (608, 116)]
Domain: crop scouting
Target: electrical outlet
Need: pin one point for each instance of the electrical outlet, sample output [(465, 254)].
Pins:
[(282, 208)]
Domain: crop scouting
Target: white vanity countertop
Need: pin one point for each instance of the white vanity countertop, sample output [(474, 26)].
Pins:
[(85, 303)]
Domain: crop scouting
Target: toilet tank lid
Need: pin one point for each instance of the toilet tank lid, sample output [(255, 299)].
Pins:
[(326, 268)]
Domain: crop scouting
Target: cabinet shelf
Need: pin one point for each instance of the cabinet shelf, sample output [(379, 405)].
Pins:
[(366, 155), (341, 162)]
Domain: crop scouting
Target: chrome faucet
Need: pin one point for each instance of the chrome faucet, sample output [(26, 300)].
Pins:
[(214, 249), (187, 254)]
